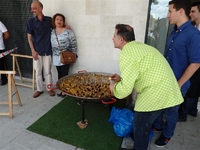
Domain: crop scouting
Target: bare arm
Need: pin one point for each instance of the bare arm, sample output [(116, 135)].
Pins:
[(34, 53), (191, 69), (111, 87), (6, 35)]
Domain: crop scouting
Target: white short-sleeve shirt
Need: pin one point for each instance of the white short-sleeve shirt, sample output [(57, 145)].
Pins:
[(2, 30)]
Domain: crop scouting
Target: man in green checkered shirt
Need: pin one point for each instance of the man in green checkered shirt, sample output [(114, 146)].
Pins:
[(146, 70)]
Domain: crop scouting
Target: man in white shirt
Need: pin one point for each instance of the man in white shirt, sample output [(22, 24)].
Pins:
[(4, 35), (189, 106), (195, 14)]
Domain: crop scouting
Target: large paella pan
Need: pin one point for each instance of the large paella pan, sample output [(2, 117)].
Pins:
[(87, 85)]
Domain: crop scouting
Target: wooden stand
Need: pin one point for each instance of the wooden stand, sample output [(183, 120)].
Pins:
[(19, 71), (11, 82)]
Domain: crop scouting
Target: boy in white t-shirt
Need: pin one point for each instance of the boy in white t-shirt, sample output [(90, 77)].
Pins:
[(4, 35)]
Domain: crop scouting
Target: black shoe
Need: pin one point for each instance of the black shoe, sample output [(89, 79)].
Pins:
[(63, 95), (182, 118), (192, 114), (161, 141), (59, 95), (4, 82)]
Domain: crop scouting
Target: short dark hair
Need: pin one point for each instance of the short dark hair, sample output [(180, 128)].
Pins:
[(185, 4), (196, 4), (126, 32), (54, 18)]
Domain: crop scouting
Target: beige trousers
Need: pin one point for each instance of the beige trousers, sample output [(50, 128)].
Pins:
[(44, 63)]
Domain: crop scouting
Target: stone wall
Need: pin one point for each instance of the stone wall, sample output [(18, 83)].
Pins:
[(93, 22)]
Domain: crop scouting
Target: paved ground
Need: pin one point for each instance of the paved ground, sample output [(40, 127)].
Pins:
[(14, 136)]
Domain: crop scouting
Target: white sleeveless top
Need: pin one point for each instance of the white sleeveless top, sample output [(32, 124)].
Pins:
[(2, 30)]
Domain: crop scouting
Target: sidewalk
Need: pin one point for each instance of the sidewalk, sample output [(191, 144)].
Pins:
[(14, 136)]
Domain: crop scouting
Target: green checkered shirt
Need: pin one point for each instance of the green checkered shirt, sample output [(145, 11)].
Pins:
[(145, 69)]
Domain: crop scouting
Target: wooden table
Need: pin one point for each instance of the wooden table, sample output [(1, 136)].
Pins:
[(15, 62), (11, 83)]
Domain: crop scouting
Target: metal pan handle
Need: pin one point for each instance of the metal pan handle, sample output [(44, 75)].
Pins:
[(111, 101), (82, 71), (52, 87)]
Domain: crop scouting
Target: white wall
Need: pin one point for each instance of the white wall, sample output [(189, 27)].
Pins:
[(93, 22)]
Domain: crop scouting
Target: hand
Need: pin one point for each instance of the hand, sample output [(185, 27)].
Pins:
[(115, 77), (35, 55), (68, 27)]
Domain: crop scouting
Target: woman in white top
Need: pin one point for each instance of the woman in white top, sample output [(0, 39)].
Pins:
[(4, 35), (67, 41)]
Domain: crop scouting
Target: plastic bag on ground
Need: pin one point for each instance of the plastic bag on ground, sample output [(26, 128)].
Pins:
[(122, 120)]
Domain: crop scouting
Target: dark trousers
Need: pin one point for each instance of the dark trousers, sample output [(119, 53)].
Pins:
[(62, 70), (143, 122), (168, 127), (3, 66), (188, 106), (191, 99)]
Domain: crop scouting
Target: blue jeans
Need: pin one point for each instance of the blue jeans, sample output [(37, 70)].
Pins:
[(171, 115), (143, 122), (188, 106)]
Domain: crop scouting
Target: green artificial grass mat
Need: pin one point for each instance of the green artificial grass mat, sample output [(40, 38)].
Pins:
[(60, 123)]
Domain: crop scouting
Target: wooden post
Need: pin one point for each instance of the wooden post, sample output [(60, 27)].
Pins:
[(11, 82)]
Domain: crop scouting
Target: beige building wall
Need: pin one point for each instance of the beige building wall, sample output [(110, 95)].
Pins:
[(93, 22)]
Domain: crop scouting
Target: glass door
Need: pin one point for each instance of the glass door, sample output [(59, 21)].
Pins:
[(158, 24)]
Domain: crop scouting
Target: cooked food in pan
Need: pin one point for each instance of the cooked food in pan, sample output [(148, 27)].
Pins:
[(86, 85)]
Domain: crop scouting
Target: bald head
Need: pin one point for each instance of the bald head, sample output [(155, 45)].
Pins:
[(38, 3), (36, 8)]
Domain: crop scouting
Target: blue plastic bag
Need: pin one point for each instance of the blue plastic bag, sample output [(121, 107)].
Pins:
[(122, 120)]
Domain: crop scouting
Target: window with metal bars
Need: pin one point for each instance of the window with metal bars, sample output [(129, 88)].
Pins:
[(14, 14)]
